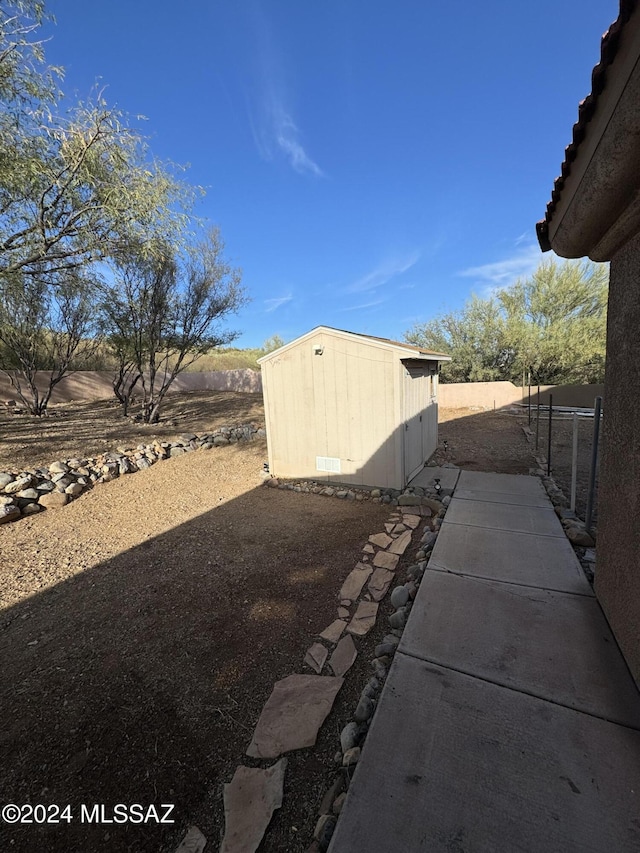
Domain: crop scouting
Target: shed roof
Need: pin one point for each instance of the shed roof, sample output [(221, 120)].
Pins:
[(608, 51), (405, 350)]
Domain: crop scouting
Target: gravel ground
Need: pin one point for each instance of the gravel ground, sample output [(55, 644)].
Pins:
[(142, 629), (483, 441), (143, 625)]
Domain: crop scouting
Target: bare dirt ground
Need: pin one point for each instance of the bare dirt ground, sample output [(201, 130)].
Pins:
[(483, 441), (143, 626), (142, 629), (84, 429)]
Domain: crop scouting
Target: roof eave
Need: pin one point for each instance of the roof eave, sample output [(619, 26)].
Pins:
[(600, 180)]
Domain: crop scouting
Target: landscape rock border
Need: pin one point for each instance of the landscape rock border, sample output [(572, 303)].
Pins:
[(354, 733), (25, 493), (583, 541), (334, 645)]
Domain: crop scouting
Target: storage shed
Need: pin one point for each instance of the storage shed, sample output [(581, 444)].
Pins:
[(349, 408)]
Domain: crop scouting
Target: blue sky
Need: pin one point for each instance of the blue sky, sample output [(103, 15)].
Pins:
[(370, 164)]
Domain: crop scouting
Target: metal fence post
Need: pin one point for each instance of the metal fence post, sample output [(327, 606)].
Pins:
[(549, 439), (594, 463), (538, 417), (574, 464)]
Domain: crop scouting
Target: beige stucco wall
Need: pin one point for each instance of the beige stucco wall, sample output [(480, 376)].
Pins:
[(464, 395), (487, 395), (618, 546), (96, 385)]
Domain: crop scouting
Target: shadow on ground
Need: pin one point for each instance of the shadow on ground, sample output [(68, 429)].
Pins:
[(140, 680)]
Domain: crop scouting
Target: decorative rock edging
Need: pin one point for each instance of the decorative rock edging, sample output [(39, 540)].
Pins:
[(365, 587), (353, 735), (28, 492), (409, 497), (575, 529)]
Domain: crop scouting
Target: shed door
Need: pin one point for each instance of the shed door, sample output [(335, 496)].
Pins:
[(416, 400)]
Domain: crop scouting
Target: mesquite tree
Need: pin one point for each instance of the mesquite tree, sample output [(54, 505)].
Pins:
[(552, 324), (45, 332), (164, 310)]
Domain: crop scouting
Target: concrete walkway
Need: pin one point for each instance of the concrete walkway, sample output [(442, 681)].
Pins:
[(509, 720)]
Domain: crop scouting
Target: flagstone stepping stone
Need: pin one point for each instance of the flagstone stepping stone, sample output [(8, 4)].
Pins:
[(411, 521), (379, 583), (398, 528), (380, 539), (316, 656), (389, 527), (193, 842), (343, 656), (333, 632), (364, 618), (355, 580), (250, 800), (369, 549), (401, 543), (384, 560), (293, 714), (343, 613)]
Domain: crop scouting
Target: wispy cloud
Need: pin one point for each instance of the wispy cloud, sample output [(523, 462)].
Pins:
[(502, 273), (276, 302), (272, 120), (287, 137), (383, 273), (364, 305)]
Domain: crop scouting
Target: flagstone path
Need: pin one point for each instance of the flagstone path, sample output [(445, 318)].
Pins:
[(299, 704)]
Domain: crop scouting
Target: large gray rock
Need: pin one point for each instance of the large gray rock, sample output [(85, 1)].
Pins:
[(364, 709), (399, 596), (74, 489), (9, 512), (31, 494), (580, 537), (409, 500), (58, 467), (31, 509), (5, 479), (349, 736), (18, 485)]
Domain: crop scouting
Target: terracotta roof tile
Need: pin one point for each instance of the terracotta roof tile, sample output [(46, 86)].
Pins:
[(608, 50)]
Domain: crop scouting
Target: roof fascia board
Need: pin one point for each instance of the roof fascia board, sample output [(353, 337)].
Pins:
[(603, 158), (354, 336)]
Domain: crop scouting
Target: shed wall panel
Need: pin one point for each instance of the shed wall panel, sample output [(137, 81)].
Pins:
[(345, 403)]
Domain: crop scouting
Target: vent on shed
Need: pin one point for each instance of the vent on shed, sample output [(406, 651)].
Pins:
[(328, 463)]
